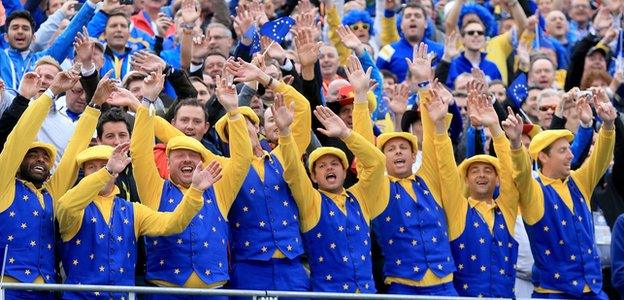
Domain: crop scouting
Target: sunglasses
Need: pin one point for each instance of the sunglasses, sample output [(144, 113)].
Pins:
[(474, 32), (358, 26), (548, 107)]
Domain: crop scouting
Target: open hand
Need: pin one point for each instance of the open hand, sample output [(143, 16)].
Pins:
[(205, 178), (119, 159), (334, 126), (283, 115)]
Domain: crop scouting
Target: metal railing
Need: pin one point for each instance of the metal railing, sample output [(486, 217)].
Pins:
[(251, 294)]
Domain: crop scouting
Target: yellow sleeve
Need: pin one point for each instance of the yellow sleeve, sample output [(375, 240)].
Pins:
[(302, 123), (67, 171), (498, 49), (70, 210), (149, 222), (333, 20), (235, 172), (453, 201), (148, 181), (509, 195), (389, 32), (531, 196), (164, 131), (428, 170), (362, 122), (590, 172), (371, 173), (17, 144), (308, 199)]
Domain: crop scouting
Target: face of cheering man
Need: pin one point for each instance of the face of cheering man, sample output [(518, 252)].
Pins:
[(117, 32), (191, 120), (413, 23), (182, 163), (473, 36), (19, 34), (481, 179), (35, 167), (542, 73), (329, 173), (556, 159), (46, 74), (328, 60), (399, 157)]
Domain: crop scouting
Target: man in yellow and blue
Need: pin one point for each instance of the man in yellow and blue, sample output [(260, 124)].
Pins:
[(555, 208), (266, 244), (197, 257), (482, 230), (28, 200), (334, 221), (100, 230), (409, 216)]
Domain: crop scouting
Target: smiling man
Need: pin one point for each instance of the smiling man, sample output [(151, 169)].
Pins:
[(556, 208)]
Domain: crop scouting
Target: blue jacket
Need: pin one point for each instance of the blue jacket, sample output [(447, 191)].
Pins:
[(461, 64), (392, 57), (13, 64), (138, 39), (617, 255), (382, 108)]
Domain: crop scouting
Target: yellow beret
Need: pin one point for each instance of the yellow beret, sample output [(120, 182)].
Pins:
[(545, 138), (383, 138), (319, 152), (183, 142), (102, 152), (50, 149), (246, 111), (481, 158)]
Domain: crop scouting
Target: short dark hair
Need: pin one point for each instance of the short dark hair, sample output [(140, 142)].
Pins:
[(119, 11), (387, 74), (416, 5), (113, 115), (190, 102), (471, 22), (547, 152), (20, 14)]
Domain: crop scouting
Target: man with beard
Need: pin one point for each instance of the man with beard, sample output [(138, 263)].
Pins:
[(28, 200), (482, 232), (556, 208), (413, 23)]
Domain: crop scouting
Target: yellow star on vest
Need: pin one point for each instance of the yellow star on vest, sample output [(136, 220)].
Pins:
[(78, 242), (482, 268), (390, 242), (398, 262), (502, 271), (262, 223), (162, 262), (573, 257), (102, 268), (408, 214), (363, 257), (557, 275), (397, 196), (27, 272), (475, 224), (96, 293), (357, 227), (91, 256), (481, 241), (121, 270), (102, 236), (285, 203), (207, 272), (276, 187), (332, 246), (416, 269), (564, 223), (414, 242), (547, 252), (320, 259), (205, 244), (473, 257), (284, 222), (11, 260), (501, 226), (462, 246), (331, 213), (264, 249), (126, 221), (465, 286), (24, 225), (340, 228), (247, 243), (245, 209), (388, 219), (319, 235), (214, 229), (179, 241), (93, 220), (401, 229), (10, 238), (289, 248), (546, 228), (25, 198), (75, 262), (460, 266), (574, 282), (119, 238), (252, 191), (35, 213), (434, 239), (345, 286), (426, 192), (440, 266), (345, 259), (33, 243), (11, 214), (176, 271), (556, 206), (155, 242), (170, 200), (328, 277)]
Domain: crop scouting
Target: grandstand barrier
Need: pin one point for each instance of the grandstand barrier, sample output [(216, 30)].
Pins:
[(250, 294)]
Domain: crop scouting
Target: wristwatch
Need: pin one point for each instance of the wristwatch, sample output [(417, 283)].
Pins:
[(94, 105)]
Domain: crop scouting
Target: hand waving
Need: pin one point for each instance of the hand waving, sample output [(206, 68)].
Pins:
[(513, 126), (30, 85), (205, 178), (358, 79), (283, 115), (226, 94), (154, 84), (334, 126), (307, 48), (119, 159), (420, 65), (104, 89), (63, 81)]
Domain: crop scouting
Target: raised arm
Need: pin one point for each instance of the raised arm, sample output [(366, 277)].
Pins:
[(240, 147), (359, 78), (151, 223), (307, 198), (67, 170), (389, 32), (62, 46), (588, 175), (452, 199), (25, 131)]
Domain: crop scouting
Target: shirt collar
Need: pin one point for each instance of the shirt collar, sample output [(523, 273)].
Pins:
[(481, 204), (396, 179), (548, 181)]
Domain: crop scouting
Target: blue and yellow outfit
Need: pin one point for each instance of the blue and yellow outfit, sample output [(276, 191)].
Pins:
[(461, 64), (335, 227), (266, 242), (99, 232), (27, 211), (559, 223), (409, 220), (481, 233), (392, 57), (197, 257)]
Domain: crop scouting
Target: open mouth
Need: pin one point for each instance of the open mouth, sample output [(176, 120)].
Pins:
[(187, 170), (399, 162), (330, 177), (482, 183), (39, 169)]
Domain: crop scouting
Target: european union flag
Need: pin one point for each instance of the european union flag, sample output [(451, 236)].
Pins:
[(518, 90), (278, 29)]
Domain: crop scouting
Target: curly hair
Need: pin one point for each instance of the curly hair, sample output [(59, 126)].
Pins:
[(484, 15), (355, 16)]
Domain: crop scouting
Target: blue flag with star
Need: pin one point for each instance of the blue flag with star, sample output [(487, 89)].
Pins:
[(277, 29)]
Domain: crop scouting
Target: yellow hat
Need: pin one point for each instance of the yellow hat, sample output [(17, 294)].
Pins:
[(531, 130), (543, 139), (102, 152), (319, 152), (47, 148), (246, 111), (385, 137), (481, 158), (186, 143)]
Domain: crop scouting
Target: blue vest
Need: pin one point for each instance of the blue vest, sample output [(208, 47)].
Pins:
[(101, 253), (264, 216), (339, 251), (563, 245), (200, 248), (485, 260), (28, 230), (412, 234)]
